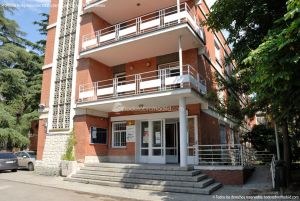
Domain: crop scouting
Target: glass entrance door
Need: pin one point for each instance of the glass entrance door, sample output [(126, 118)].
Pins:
[(171, 142), (152, 143)]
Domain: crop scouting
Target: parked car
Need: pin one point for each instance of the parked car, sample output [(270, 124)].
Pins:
[(8, 161), (26, 159)]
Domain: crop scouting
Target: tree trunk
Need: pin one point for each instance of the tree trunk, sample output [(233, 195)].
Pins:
[(286, 149)]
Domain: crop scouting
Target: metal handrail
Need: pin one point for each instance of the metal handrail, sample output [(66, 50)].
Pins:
[(220, 154), (139, 26)]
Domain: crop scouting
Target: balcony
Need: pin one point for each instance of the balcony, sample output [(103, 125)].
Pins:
[(138, 38), (116, 11), (146, 88)]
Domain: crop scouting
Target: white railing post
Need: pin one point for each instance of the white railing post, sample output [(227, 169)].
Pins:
[(117, 30), (115, 86), (95, 90), (138, 25), (136, 77), (242, 156), (99, 37)]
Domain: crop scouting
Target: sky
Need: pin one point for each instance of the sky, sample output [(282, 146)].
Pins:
[(29, 11)]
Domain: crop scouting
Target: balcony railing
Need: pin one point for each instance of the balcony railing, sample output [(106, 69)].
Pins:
[(148, 23), (167, 78), (90, 2)]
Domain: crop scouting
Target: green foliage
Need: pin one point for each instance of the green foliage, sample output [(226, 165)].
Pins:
[(20, 83), (262, 138), (69, 155), (276, 64), (41, 44), (265, 35)]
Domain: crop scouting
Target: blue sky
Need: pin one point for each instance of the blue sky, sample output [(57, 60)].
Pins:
[(29, 11)]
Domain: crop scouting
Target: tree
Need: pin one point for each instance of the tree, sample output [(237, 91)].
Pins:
[(43, 23), (266, 46), (20, 83)]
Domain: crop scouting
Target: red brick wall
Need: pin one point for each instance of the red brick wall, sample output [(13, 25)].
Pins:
[(41, 139), (227, 177), (46, 83), (89, 71), (210, 129), (83, 147)]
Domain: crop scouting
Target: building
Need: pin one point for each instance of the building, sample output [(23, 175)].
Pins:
[(130, 79)]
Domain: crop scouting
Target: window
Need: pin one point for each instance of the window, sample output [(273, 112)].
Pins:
[(217, 51), (223, 137), (98, 135), (119, 134)]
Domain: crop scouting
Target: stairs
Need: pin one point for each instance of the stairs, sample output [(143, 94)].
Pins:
[(146, 177)]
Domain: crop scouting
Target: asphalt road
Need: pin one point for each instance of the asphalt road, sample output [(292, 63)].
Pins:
[(16, 191)]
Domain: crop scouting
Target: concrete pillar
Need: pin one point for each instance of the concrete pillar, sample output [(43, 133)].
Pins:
[(178, 10), (183, 132), (180, 55)]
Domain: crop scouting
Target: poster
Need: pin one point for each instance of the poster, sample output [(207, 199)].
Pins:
[(146, 136), (157, 138), (130, 133)]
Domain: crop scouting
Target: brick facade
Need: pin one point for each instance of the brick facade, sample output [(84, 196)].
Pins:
[(89, 71)]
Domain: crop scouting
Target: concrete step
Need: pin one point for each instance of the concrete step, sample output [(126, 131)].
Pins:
[(143, 171), (140, 166), (192, 184), (206, 191), (195, 178)]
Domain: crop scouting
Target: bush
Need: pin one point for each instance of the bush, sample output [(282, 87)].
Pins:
[(69, 155)]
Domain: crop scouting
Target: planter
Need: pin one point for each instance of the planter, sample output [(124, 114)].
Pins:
[(68, 167)]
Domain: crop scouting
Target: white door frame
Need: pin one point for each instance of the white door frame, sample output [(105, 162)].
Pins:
[(175, 158), (193, 159), (150, 158)]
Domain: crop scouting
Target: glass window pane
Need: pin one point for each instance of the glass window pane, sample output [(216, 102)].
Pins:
[(144, 152), (145, 134), (156, 152), (157, 134)]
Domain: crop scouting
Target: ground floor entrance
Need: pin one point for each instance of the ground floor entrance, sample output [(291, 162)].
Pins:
[(158, 140)]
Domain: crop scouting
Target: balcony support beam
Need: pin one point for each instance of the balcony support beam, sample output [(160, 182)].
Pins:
[(183, 131)]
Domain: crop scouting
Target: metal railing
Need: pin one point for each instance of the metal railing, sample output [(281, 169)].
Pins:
[(254, 157), (221, 154), (272, 169), (231, 155), (164, 79), (90, 2), (147, 23)]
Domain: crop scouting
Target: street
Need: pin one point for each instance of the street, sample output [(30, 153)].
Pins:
[(18, 191)]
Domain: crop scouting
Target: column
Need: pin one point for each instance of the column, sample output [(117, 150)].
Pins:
[(183, 132), (180, 55), (178, 10)]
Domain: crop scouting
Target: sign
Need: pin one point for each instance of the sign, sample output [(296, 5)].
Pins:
[(130, 133)]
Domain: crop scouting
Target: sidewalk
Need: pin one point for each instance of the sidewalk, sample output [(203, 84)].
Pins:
[(135, 194)]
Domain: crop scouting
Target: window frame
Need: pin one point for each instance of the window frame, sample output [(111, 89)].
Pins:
[(218, 51), (106, 138), (113, 136)]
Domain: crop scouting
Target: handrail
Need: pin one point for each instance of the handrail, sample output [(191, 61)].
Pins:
[(163, 79), (220, 154), (140, 25)]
